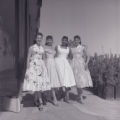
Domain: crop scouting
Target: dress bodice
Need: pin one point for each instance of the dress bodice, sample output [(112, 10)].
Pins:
[(50, 53), (37, 52), (78, 52), (62, 52)]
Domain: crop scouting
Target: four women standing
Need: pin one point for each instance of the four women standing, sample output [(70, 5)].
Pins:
[(55, 71)]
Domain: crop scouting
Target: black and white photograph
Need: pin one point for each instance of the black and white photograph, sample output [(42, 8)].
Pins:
[(59, 59)]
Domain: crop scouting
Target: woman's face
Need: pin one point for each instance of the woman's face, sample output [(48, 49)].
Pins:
[(77, 41), (49, 42), (64, 42), (39, 39)]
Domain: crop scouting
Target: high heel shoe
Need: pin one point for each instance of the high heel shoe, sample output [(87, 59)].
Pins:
[(55, 103), (79, 100), (40, 108), (84, 97), (66, 99)]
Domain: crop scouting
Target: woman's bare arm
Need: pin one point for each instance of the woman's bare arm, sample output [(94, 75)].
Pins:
[(28, 57), (56, 51), (87, 58), (70, 55)]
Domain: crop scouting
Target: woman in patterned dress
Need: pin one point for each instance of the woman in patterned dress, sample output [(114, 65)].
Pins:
[(64, 69), (80, 67), (36, 78), (51, 67)]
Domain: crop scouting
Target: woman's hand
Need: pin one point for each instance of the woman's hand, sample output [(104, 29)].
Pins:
[(26, 77), (86, 66)]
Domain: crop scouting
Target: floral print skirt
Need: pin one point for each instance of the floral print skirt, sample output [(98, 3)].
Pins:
[(36, 77)]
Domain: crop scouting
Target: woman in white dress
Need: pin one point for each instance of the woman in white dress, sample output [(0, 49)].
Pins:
[(36, 78), (51, 67), (64, 69), (80, 67)]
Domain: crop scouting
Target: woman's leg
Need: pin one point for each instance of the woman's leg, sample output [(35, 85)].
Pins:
[(40, 107), (36, 102), (44, 98), (63, 92), (66, 99), (79, 91), (55, 102)]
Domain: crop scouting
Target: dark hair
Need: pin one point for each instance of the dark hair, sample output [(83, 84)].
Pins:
[(37, 33), (65, 37), (78, 37), (48, 37)]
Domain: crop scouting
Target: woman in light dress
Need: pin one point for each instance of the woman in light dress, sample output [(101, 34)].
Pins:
[(51, 67), (36, 77), (64, 69), (80, 67)]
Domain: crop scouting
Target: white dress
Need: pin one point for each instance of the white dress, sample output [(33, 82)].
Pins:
[(64, 69), (82, 76), (51, 68), (36, 77)]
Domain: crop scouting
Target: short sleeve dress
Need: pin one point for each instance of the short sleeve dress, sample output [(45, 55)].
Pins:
[(36, 77), (82, 76)]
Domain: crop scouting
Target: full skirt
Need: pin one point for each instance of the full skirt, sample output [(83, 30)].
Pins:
[(82, 76), (65, 72), (36, 77), (52, 73)]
